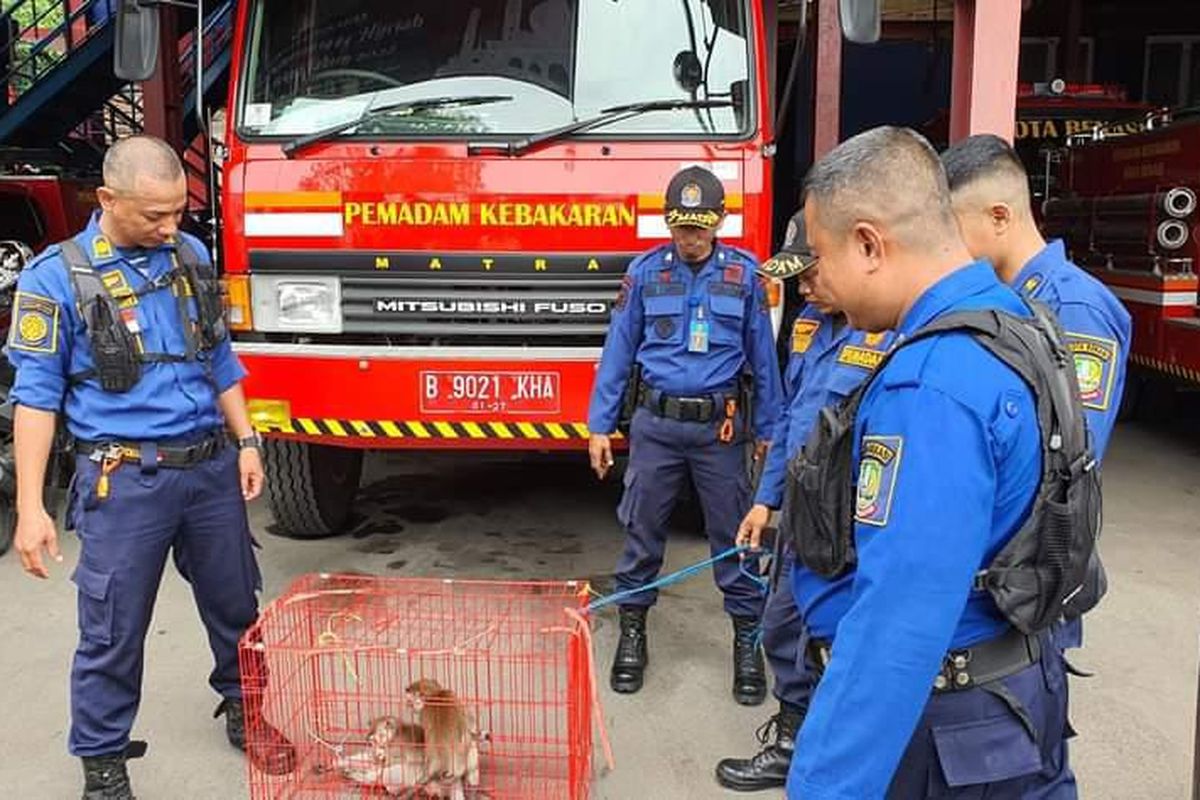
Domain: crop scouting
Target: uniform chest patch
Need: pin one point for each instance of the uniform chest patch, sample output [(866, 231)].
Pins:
[(865, 357), (664, 327), (1095, 368), (118, 287), (803, 331), (35, 324), (879, 462)]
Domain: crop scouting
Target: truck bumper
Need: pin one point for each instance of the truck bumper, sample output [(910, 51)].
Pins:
[(455, 398)]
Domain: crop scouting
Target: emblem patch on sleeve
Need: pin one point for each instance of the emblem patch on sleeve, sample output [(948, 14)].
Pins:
[(35, 324), (803, 331), (1095, 368), (879, 461)]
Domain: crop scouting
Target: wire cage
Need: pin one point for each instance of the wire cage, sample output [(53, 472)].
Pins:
[(338, 658)]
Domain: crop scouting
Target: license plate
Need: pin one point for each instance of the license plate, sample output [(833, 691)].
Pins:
[(490, 392)]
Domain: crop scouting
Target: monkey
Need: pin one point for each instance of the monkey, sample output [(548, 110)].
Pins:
[(392, 758), (451, 752)]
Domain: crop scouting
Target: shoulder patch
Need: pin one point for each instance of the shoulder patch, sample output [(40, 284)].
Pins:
[(803, 331), (1032, 283), (35, 324), (865, 357), (627, 283), (1095, 368), (879, 461)]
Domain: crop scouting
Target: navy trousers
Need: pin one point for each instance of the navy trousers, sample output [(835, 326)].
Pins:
[(198, 516), (662, 452), (784, 638), (1004, 741)]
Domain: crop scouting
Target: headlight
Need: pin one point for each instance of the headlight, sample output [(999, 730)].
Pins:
[(297, 304)]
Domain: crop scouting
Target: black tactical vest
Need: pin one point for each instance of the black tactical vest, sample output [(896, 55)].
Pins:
[(116, 348), (1050, 568)]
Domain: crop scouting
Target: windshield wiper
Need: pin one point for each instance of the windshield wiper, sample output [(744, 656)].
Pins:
[(607, 116), (406, 106)]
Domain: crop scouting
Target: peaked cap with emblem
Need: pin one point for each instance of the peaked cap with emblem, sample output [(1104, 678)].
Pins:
[(695, 197), (794, 257)]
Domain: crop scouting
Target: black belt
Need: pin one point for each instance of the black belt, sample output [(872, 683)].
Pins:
[(167, 456), (682, 409), (964, 669)]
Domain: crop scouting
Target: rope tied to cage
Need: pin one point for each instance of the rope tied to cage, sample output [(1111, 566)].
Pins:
[(683, 574)]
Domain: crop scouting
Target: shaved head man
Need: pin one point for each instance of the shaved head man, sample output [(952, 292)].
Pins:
[(144, 193), (120, 332), (879, 220), (902, 497), (990, 194)]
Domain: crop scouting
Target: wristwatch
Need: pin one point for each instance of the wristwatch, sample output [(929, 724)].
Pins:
[(253, 440)]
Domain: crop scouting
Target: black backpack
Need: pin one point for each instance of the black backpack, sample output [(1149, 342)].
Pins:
[(1050, 568)]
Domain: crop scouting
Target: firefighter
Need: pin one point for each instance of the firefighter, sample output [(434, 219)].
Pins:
[(929, 688), (690, 320), (990, 191), (120, 330), (829, 359)]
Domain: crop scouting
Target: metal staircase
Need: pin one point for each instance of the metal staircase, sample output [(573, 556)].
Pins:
[(57, 86)]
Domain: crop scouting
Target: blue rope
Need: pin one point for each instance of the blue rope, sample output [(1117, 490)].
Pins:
[(683, 574)]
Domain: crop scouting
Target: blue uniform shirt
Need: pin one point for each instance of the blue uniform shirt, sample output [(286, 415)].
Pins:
[(49, 342), (660, 304), (1098, 333), (829, 360), (948, 458)]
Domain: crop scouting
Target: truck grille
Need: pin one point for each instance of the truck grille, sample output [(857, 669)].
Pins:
[(537, 310)]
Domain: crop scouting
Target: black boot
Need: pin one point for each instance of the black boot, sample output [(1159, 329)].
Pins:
[(105, 778), (629, 665), (769, 768), (749, 671), (267, 748)]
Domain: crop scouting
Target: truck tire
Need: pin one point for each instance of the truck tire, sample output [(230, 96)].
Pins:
[(310, 487)]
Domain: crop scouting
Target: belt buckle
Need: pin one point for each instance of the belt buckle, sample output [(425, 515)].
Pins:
[(687, 408)]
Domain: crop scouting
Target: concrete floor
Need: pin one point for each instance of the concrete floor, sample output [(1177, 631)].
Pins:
[(546, 518)]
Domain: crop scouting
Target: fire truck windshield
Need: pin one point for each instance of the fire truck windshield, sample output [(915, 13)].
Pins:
[(323, 63)]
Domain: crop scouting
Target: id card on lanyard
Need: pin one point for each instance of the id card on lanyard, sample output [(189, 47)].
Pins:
[(698, 331)]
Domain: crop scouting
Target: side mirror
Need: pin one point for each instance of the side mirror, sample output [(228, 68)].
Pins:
[(135, 52), (861, 20), (689, 72)]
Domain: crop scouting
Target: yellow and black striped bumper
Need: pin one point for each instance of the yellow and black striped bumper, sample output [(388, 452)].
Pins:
[(428, 429), (1174, 370)]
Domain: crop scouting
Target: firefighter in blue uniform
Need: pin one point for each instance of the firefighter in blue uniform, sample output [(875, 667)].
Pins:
[(927, 689), (120, 331), (829, 359), (990, 190), (690, 321)]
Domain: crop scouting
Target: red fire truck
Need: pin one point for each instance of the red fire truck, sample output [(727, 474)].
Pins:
[(1128, 212), (427, 208)]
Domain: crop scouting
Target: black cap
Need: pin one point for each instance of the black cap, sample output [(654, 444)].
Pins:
[(695, 197), (794, 257)]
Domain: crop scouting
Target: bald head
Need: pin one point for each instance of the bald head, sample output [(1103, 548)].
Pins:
[(144, 193), (990, 192), (887, 176), (136, 157)]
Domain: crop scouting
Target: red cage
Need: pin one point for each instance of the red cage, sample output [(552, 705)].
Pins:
[(337, 653)]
